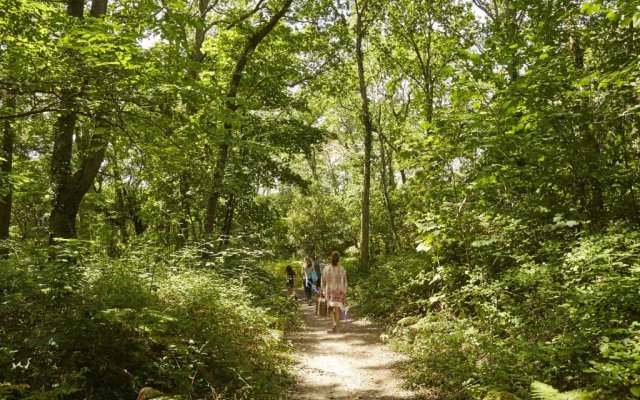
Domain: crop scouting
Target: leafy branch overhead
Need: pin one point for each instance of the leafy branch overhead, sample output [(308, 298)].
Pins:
[(476, 163)]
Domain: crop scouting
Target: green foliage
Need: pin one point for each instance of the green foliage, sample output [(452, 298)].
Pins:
[(505, 150), (319, 223), (619, 361), (569, 319), (108, 328), (397, 287), (542, 391), (494, 395)]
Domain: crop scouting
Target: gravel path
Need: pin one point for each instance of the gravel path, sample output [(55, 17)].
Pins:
[(349, 364)]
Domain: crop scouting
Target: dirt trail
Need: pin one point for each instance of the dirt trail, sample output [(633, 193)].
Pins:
[(349, 364)]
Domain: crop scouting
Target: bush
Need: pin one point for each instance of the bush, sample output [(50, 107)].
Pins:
[(568, 318), (105, 329), (394, 287)]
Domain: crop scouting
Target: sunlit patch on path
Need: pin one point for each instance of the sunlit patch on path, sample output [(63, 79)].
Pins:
[(350, 364)]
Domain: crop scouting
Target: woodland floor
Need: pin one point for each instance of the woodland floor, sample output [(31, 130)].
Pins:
[(350, 364)]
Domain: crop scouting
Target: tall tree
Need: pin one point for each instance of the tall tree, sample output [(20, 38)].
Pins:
[(70, 187), (361, 28), (6, 164), (232, 105)]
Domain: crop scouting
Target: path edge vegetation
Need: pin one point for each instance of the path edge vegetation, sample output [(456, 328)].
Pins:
[(480, 159)]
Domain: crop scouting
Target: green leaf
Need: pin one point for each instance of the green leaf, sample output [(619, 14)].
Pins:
[(590, 8)]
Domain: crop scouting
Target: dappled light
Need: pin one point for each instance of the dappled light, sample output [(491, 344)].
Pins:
[(166, 167), (352, 363)]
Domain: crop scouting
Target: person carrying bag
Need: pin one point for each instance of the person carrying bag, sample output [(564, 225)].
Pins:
[(334, 289)]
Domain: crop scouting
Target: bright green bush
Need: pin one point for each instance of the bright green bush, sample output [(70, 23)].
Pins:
[(105, 329), (566, 315), (394, 287)]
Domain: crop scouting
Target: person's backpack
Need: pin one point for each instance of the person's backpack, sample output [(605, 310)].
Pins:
[(314, 276)]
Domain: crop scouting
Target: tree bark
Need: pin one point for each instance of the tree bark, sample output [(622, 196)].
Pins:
[(75, 8), (6, 166), (184, 223), (368, 135), (313, 164), (387, 198), (121, 218), (196, 56), (232, 106), (228, 220), (98, 8), (592, 189), (69, 188), (63, 213)]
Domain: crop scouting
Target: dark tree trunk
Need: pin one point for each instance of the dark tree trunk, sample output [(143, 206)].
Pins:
[(139, 225), (212, 205), (121, 219), (75, 8), (593, 197), (98, 8), (63, 211), (69, 188), (197, 57), (368, 135), (228, 220), (6, 166), (387, 197)]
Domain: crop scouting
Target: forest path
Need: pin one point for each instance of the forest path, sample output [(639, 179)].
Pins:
[(350, 364)]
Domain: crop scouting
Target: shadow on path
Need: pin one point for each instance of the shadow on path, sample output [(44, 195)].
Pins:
[(349, 364)]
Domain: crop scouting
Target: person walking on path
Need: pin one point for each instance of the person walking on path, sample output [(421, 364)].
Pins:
[(290, 276), (307, 272), (334, 288), (317, 265)]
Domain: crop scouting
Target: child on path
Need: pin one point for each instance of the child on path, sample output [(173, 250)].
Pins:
[(334, 288), (290, 276)]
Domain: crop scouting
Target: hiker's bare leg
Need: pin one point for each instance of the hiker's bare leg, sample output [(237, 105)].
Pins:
[(335, 317)]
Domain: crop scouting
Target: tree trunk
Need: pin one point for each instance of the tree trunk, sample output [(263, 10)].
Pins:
[(593, 197), (184, 223), (121, 219), (197, 56), (232, 106), (313, 164), (212, 205), (75, 8), (6, 166), (69, 189), (391, 172), (98, 8), (63, 213), (139, 225), (368, 134), (228, 220), (387, 198)]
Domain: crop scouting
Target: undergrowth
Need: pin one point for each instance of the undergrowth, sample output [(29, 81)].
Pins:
[(100, 328), (569, 319)]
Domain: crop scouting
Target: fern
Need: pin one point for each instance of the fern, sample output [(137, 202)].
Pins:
[(542, 391)]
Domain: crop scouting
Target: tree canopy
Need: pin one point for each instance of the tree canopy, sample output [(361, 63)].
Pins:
[(160, 159)]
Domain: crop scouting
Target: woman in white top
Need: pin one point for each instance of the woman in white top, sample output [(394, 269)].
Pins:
[(334, 288)]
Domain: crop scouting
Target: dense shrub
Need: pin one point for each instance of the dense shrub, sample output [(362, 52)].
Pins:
[(396, 287), (569, 320), (105, 329)]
